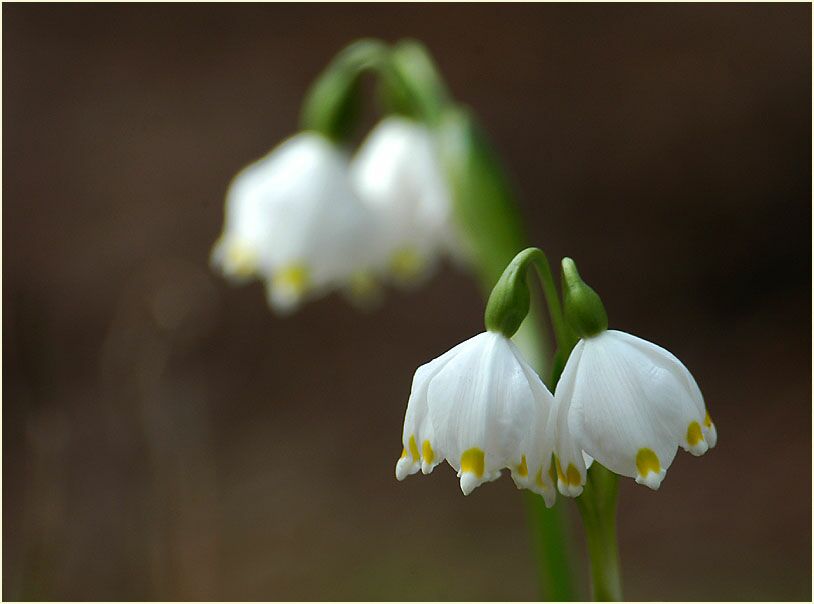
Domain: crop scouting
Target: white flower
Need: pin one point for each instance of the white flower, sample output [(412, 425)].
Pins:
[(481, 407), (629, 405), (397, 173), (292, 219)]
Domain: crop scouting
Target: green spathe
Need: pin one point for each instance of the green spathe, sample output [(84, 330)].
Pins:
[(584, 310)]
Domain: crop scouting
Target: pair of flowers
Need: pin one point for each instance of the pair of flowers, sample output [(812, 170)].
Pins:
[(308, 218), (621, 400)]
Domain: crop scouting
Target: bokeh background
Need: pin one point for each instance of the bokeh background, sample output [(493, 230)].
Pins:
[(166, 436)]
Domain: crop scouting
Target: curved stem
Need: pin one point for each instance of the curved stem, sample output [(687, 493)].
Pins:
[(509, 302), (565, 339), (331, 104), (419, 82), (409, 84)]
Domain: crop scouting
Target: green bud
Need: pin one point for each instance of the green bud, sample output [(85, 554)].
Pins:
[(332, 104), (509, 301), (583, 309)]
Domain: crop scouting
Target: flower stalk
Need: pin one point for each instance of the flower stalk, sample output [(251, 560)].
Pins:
[(597, 506), (553, 549), (583, 314)]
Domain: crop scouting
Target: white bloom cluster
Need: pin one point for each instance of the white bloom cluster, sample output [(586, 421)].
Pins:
[(307, 218), (621, 400)]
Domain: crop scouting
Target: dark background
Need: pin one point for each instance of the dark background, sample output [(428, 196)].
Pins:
[(166, 436)]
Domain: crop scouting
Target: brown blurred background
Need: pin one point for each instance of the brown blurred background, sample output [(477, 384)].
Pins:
[(165, 436)]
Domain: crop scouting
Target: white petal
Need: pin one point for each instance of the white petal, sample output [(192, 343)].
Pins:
[(482, 408), (681, 399), (537, 445), (417, 425), (652, 479), (283, 298), (481, 399), (405, 466), (238, 259), (710, 433), (295, 210), (631, 404), (570, 455), (320, 224), (469, 481), (616, 405), (284, 176), (397, 173)]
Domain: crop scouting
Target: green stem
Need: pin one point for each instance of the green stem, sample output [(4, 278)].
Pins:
[(551, 545), (487, 214), (597, 505), (566, 340), (550, 532), (408, 84), (549, 525), (561, 331), (413, 76), (332, 103)]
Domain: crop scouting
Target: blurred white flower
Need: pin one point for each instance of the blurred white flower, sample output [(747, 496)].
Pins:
[(397, 173), (629, 405), (481, 407), (293, 220)]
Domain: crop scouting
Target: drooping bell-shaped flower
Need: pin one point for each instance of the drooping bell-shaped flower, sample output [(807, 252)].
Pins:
[(629, 403), (293, 219), (398, 174), (481, 407)]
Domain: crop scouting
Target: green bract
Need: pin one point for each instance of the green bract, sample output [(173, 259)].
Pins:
[(509, 301), (584, 310)]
